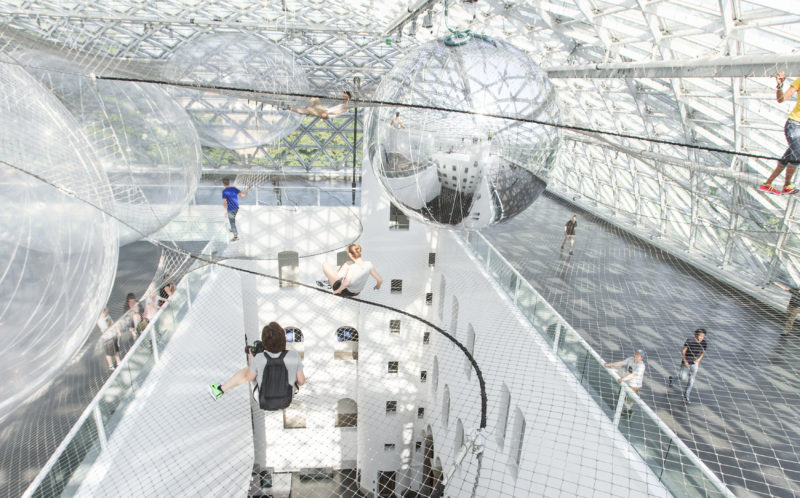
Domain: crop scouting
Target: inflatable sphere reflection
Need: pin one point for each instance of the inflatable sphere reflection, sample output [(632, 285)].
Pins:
[(239, 61), (463, 167), (58, 250), (145, 141)]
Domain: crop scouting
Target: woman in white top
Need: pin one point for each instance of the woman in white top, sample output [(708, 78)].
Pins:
[(350, 279)]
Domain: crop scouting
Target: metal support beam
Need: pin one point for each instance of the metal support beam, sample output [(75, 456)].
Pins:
[(413, 11), (739, 66)]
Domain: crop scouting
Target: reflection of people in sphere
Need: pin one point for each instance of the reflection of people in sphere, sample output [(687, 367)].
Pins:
[(791, 158), (273, 339), (350, 279), (397, 122), (793, 308), (569, 232), (314, 108), (230, 199)]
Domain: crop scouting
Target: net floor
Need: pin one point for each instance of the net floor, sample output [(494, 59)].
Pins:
[(621, 294)]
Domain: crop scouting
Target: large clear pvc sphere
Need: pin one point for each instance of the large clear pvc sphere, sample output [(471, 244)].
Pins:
[(465, 147), (238, 61), (145, 141), (58, 250)]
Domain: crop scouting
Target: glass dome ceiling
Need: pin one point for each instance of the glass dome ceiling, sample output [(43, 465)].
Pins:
[(668, 107)]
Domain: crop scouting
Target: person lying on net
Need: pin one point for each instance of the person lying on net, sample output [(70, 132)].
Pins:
[(275, 370), (350, 279), (315, 108)]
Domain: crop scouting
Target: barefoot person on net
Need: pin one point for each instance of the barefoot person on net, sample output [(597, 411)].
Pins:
[(791, 158), (315, 108), (350, 279), (275, 371)]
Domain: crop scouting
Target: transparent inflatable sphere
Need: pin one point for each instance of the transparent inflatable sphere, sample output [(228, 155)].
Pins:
[(469, 151), (146, 143), (245, 61), (58, 254)]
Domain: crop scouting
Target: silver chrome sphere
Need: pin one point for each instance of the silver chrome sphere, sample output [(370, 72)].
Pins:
[(58, 248), (238, 61), (468, 148)]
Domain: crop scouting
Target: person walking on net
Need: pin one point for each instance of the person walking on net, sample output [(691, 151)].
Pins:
[(792, 309), (349, 280), (230, 199), (633, 368), (791, 158), (569, 232), (694, 349)]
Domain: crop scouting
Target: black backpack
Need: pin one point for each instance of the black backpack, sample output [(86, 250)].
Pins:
[(274, 392)]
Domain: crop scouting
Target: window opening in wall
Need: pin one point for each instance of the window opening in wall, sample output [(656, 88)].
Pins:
[(293, 334), (394, 326), (454, 317), (346, 347), (346, 413), (518, 438), (397, 219), (420, 412), (431, 259), (391, 407), (446, 405), (288, 268), (417, 445), (429, 298), (387, 480), (426, 338), (397, 286), (294, 416), (423, 376), (502, 417), (392, 367), (388, 447), (470, 345)]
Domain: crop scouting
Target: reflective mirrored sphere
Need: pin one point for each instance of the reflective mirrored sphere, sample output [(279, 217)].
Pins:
[(146, 144), (465, 146), (58, 250), (244, 61)]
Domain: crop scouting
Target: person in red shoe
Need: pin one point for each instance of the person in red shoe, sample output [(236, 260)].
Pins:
[(791, 158)]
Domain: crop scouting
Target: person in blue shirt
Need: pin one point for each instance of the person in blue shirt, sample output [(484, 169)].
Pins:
[(230, 199)]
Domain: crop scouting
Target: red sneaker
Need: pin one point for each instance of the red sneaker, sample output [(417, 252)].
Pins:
[(766, 187), (788, 189)]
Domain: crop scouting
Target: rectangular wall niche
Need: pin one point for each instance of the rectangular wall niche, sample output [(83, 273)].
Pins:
[(391, 407), (397, 286), (394, 326), (392, 367), (429, 298)]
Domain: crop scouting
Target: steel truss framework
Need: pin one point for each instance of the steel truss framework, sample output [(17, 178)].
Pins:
[(625, 66)]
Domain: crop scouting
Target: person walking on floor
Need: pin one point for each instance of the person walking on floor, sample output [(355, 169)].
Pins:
[(569, 232), (633, 368), (694, 350), (230, 199), (793, 308)]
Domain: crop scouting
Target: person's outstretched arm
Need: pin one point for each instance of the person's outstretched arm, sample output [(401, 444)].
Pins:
[(377, 278), (242, 194), (780, 95), (614, 364), (778, 284)]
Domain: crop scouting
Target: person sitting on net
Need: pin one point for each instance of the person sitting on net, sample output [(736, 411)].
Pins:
[(275, 370), (315, 108), (349, 280)]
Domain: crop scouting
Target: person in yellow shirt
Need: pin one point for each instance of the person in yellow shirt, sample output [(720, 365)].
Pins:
[(791, 158)]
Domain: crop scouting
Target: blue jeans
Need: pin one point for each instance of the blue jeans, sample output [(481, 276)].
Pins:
[(792, 155), (687, 375), (232, 220)]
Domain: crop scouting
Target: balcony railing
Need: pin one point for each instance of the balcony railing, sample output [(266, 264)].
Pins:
[(89, 436), (677, 467)]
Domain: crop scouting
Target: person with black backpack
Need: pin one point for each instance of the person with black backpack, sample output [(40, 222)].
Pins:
[(274, 369)]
